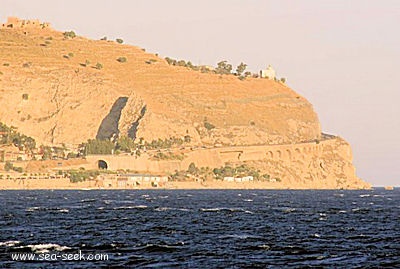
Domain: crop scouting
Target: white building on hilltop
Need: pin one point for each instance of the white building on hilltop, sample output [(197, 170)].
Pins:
[(268, 73)]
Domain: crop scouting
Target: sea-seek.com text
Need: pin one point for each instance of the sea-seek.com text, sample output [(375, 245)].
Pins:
[(59, 257)]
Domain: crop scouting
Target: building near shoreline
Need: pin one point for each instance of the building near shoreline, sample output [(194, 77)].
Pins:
[(12, 153), (132, 180)]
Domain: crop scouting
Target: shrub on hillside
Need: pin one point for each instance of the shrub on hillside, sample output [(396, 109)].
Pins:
[(119, 41), (223, 68), (240, 69), (87, 62), (208, 125), (97, 146), (122, 59), (8, 166), (69, 34)]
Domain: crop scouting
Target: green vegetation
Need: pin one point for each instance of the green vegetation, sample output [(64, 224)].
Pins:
[(87, 62), (188, 64), (192, 169), (150, 61), (283, 80), (97, 146), (122, 59), (9, 166), (163, 144), (239, 171), (119, 41), (6, 64), (25, 96), (82, 175), (70, 54), (208, 125), (170, 61), (223, 68), (127, 144), (72, 155), (103, 38), (187, 139), (193, 172), (98, 66), (27, 64), (240, 69), (69, 34), (168, 156), (49, 153), (11, 136), (18, 169)]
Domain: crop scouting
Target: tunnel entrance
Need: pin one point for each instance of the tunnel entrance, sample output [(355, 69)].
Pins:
[(102, 165)]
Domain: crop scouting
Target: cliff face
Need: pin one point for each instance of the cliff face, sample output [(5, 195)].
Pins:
[(326, 165), (63, 90), (323, 165), (68, 99)]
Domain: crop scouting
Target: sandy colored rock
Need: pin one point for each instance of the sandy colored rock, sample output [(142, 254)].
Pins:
[(67, 100), (62, 90)]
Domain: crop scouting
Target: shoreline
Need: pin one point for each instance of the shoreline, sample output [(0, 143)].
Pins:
[(65, 184)]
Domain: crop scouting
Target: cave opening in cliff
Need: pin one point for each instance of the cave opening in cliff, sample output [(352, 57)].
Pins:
[(101, 164)]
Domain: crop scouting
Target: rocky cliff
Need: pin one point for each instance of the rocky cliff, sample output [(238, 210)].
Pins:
[(64, 90), (61, 89)]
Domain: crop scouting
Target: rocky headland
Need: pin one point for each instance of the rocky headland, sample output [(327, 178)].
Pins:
[(62, 89)]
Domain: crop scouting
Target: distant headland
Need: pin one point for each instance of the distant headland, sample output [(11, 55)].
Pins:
[(81, 113)]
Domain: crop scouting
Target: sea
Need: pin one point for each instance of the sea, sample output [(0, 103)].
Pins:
[(200, 229)]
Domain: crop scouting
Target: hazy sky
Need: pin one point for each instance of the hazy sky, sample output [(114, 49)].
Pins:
[(343, 55)]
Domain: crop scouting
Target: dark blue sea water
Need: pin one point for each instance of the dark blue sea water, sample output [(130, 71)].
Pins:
[(203, 228)]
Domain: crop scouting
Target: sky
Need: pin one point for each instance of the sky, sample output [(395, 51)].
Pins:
[(342, 55)]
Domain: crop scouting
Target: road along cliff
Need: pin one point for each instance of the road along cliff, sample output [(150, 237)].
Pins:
[(64, 89)]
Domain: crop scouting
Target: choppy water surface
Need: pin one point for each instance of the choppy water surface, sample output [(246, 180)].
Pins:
[(204, 228)]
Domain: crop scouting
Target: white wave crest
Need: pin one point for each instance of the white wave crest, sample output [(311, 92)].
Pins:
[(44, 248), (9, 243)]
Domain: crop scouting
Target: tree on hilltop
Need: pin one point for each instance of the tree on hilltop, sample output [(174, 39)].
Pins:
[(240, 68), (69, 34), (223, 68)]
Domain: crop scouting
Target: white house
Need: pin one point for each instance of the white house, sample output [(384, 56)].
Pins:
[(229, 179), (268, 73), (238, 179), (247, 178)]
